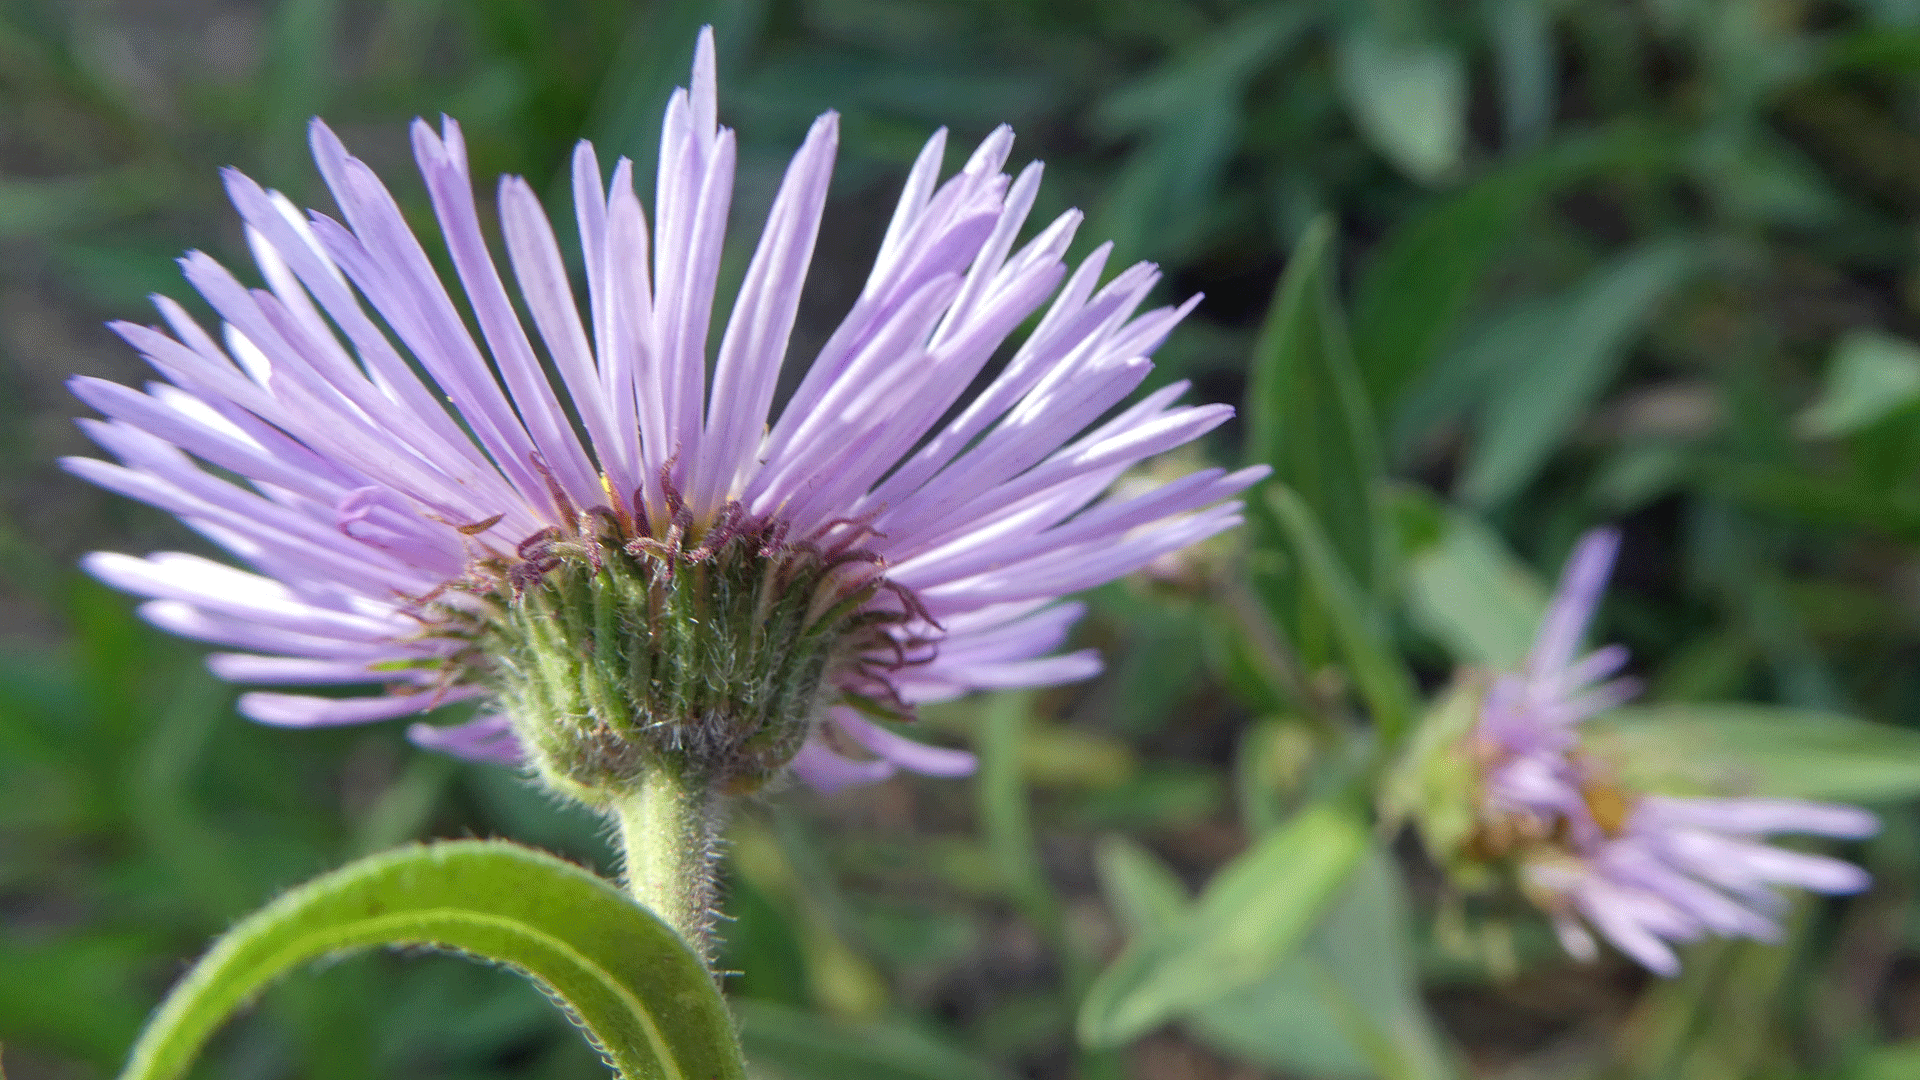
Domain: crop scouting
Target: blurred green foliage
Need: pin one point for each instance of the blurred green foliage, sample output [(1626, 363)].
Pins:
[(1484, 274)]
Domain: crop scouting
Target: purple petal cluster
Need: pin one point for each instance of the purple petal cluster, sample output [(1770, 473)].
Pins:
[(1644, 871), (381, 447)]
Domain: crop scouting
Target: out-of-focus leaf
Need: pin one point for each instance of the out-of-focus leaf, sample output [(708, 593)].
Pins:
[(1637, 474), (1523, 50), (1755, 176), (1871, 376), (1188, 113), (296, 77), (787, 868), (77, 994), (1286, 1022), (1155, 797), (791, 1044), (1571, 351), (1252, 916), (762, 947), (1307, 413), (1433, 782), (627, 978), (1002, 792), (1143, 891), (1760, 750), (1421, 279), (1348, 1004), (1896, 1062), (1474, 596), (1408, 98), (1269, 769), (41, 208), (1377, 668)]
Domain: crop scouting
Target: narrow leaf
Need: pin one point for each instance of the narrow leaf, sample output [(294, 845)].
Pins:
[(1408, 98), (1252, 917), (1570, 357), (791, 1044), (1307, 413), (1472, 594), (1871, 377), (1143, 891), (1760, 750), (1348, 1004), (1382, 679), (625, 977), (1422, 278)]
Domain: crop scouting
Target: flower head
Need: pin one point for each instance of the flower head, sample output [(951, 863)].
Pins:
[(647, 557), (1643, 870)]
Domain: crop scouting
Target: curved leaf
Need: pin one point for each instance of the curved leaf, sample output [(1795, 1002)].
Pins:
[(624, 976)]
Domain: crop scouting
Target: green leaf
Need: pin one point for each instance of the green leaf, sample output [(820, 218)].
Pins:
[(1307, 412), (627, 979), (1251, 917), (1143, 891), (1188, 114), (1409, 99), (1759, 750), (1421, 279), (1556, 361), (792, 1044), (1473, 595), (1002, 791), (1871, 377), (1377, 670), (1348, 1004), (1521, 32), (1892, 1062)]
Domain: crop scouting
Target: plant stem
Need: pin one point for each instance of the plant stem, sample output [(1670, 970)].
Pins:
[(670, 826)]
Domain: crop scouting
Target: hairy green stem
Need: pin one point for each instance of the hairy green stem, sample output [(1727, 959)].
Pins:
[(670, 824)]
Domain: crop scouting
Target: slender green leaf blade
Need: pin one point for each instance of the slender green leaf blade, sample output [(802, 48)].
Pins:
[(1377, 670), (792, 1044), (624, 976), (1872, 376), (1307, 412), (1564, 368), (1418, 283), (1348, 1004), (1472, 594), (1760, 750), (1141, 889), (1251, 918), (1409, 98)]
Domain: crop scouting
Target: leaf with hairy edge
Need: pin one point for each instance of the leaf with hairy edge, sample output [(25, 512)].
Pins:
[(624, 976), (1252, 916)]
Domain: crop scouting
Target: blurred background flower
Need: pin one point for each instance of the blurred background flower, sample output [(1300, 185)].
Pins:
[(1546, 264)]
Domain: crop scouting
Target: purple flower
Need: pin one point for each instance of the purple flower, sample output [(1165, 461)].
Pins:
[(390, 464), (1645, 871), (1526, 728), (1678, 869)]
